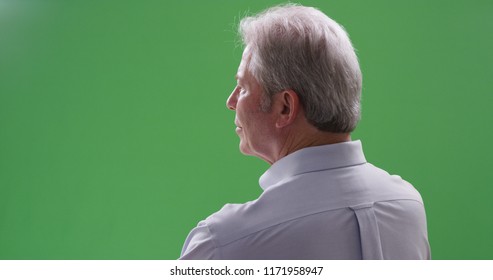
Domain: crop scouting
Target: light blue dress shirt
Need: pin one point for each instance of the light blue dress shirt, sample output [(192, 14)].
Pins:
[(323, 202)]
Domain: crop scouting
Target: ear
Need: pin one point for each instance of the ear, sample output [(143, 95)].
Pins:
[(289, 107)]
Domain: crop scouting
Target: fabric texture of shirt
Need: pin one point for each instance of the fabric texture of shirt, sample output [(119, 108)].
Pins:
[(323, 202)]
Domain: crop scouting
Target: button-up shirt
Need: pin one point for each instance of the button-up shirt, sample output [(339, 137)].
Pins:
[(323, 202)]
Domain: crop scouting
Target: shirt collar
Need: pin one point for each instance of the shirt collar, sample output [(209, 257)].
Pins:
[(313, 159)]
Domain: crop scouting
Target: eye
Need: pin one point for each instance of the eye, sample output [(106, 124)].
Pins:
[(242, 91)]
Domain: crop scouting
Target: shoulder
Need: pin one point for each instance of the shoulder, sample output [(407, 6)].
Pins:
[(222, 227), (233, 221), (200, 244), (391, 186)]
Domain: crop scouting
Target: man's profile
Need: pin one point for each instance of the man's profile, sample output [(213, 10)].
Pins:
[(296, 101)]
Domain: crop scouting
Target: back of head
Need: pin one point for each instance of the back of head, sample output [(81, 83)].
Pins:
[(301, 49)]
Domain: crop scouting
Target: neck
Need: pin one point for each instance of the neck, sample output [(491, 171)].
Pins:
[(294, 142)]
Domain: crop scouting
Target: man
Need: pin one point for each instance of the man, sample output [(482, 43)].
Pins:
[(297, 101)]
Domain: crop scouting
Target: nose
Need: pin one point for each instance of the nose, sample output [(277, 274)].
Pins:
[(232, 99)]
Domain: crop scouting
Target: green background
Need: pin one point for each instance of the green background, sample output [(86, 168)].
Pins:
[(115, 139)]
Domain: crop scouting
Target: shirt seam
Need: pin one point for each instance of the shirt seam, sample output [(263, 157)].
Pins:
[(304, 216), (331, 168), (214, 241)]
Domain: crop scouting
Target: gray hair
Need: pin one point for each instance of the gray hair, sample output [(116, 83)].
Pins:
[(301, 49)]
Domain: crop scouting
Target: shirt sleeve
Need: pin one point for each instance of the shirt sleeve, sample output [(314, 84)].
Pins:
[(199, 244)]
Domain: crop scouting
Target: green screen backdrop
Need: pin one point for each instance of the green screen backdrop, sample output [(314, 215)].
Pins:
[(115, 139)]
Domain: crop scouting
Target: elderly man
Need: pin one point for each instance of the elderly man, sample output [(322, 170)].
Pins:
[(297, 100)]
